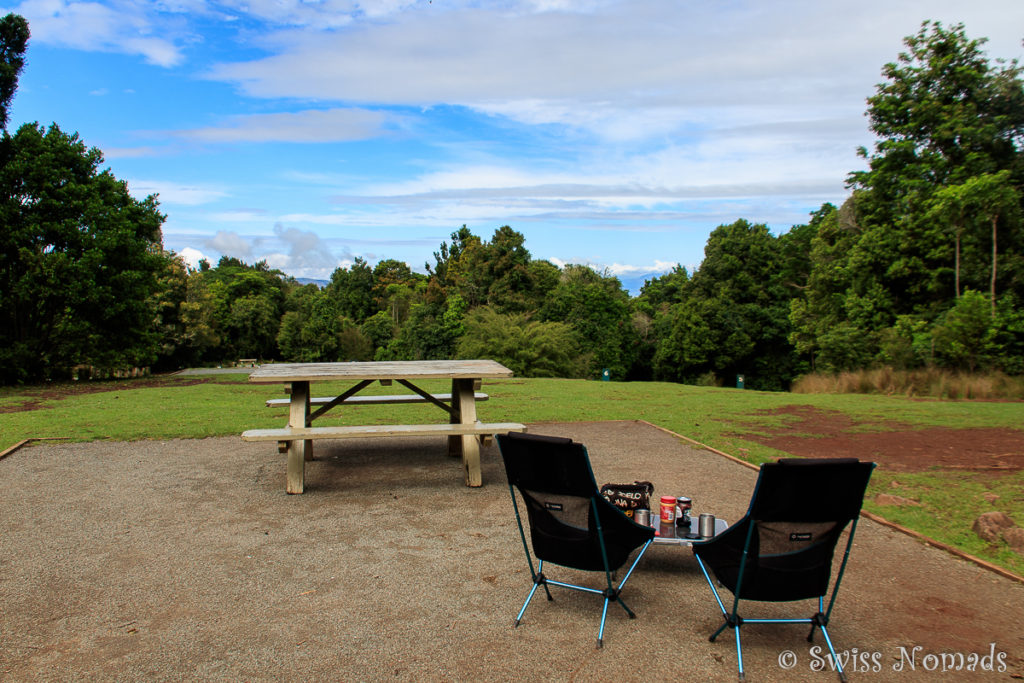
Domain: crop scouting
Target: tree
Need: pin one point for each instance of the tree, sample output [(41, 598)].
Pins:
[(659, 293), (79, 260), (529, 348), (944, 115), (965, 335), (431, 331), (734, 316), (995, 196), (393, 288), (832, 322), (198, 315), (14, 35), (949, 207), (598, 309), (253, 323), (169, 299), (980, 199), (496, 273), (237, 308), (447, 254), (508, 271), (379, 329), (352, 289)]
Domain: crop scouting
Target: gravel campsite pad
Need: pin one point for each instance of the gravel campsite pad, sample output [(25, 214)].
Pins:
[(185, 559)]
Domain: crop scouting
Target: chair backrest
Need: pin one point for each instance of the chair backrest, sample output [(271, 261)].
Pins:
[(810, 490), (797, 513), (563, 504), (549, 464)]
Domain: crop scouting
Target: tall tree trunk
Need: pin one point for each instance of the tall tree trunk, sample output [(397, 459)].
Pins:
[(992, 285), (956, 276)]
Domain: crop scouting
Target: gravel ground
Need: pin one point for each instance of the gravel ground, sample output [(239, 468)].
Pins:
[(186, 560)]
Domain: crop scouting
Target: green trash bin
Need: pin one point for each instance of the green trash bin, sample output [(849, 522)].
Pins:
[(739, 381), (606, 375)]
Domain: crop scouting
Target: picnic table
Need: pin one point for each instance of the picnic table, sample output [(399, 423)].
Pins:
[(463, 430)]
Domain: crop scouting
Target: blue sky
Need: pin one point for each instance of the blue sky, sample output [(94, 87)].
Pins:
[(615, 133)]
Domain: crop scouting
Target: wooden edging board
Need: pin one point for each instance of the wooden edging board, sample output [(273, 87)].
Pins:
[(25, 441), (1005, 573)]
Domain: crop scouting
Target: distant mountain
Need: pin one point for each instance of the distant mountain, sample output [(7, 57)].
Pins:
[(633, 283)]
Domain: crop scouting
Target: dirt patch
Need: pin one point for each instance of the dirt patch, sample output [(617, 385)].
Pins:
[(814, 433), (36, 400)]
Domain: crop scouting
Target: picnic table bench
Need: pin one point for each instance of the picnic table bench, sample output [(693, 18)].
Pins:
[(463, 430)]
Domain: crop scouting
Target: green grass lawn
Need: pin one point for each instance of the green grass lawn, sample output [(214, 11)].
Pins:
[(225, 405)]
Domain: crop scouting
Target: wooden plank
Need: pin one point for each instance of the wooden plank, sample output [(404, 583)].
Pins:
[(454, 442), (381, 370), (373, 400), (350, 392), (470, 446), (426, 396), (296, 434), (298, 451)]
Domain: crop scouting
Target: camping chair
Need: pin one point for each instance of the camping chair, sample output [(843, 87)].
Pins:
[(571, 524), (782, 549)]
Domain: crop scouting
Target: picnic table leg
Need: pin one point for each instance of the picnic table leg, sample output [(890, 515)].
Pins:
[(455, 442), (470, 444), (298, 451)]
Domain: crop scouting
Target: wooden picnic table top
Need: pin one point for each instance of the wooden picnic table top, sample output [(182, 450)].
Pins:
[(373, 370)]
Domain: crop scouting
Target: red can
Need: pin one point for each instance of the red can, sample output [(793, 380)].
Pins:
[(668, 509)]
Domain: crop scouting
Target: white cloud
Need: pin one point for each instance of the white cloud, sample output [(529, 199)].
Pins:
[(624, 70), (239, 216), (297, 252), (306, 251), (192, 257), (619, 269), (124, 27), (597, 115), (230, 244), (331, 125), (129, 152), (176, 193)]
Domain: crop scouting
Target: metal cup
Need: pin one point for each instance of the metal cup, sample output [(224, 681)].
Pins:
[(707, 525), (642, 517)]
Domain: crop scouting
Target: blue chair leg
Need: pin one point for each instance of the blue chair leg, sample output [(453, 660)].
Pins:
[(604, 615), (832, 650), (739, 651), (519, 617), (538, 580)]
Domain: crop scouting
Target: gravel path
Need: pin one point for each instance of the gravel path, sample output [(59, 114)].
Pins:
[(186, 560)]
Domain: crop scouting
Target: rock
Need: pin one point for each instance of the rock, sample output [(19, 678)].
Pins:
[(889, 499), (1015, 539), (990, 497), (991, 525)]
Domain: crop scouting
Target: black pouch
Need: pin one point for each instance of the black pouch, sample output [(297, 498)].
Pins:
[(629, 497)]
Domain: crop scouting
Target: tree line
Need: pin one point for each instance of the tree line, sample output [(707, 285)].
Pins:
[(922, 265)]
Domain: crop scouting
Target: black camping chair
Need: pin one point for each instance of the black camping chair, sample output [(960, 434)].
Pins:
[(571, 524), (782, 549)]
